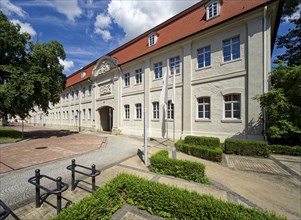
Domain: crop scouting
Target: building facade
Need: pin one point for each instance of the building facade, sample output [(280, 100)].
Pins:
[(217, 55)]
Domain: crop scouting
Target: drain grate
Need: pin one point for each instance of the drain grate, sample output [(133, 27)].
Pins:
[(41, 148)]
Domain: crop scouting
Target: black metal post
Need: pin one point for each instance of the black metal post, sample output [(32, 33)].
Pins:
[(93, 177), (37, 176), (59, 195), (73, 175)]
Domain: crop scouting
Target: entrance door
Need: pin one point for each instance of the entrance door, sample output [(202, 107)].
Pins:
[(106, 118)]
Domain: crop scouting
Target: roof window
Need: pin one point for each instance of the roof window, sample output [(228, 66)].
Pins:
[(152, 39), (212, 9), (83, 74)]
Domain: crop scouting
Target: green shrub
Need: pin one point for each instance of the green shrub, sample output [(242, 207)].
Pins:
[(207, 153), (158, 199), (287, 150), (246, 148), (202, 141), (188, 170)]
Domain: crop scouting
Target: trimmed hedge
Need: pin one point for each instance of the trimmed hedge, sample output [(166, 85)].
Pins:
[(287, 150), (202, 141), (188, 170), (207, 153), (158, 199), (246, 148)]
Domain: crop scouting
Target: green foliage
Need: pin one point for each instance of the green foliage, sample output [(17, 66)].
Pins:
[(202, 141), (203, 147), (158, 199), (283, 106), (246, 148), (30, 73), (188, 170), (287, 150), (8, 135), (207, 153)]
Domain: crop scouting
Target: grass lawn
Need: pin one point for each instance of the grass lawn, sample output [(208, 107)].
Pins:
[(8, 135)]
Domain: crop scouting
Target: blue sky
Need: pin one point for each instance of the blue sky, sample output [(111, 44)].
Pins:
[(89, 29)]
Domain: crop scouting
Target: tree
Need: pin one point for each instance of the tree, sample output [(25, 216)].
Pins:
[(292, 40), (283, 105), (30, 73)]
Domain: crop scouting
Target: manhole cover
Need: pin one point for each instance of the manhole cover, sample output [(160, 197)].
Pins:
[(40, 148)]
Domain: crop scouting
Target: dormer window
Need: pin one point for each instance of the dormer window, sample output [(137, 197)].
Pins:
[(152, 39), (83, 74), (212, 9)]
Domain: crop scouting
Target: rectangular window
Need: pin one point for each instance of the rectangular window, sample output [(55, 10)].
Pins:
[(84, 114), (231, 49), (67, 115), (84, 92), (170, 110), (204, 57), (155, 110), (76, 115), (232, 106), (67, 96), (138, 76), (138, 111), (72, 115), (212, 10), (127, 79), (89, 114), (72, 95), (126, 111), (204, 108), (90, 90), (158, 70), (174, 64), (76, 94)]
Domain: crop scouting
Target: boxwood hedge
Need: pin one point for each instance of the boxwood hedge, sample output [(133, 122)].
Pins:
[(246, 148), (202, 141), (287, 150), (188, 170), (158, 199)]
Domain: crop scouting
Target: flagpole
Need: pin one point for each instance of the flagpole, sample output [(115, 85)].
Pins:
[(173, 153)]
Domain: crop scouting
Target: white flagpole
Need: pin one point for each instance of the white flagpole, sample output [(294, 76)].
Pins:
[(173, 153)]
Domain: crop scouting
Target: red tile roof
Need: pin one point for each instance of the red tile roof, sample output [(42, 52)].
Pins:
[(189, 22)]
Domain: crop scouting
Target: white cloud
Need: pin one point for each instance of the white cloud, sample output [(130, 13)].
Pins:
[(68, 64), (69, 8), (105, 34), (296, 15), (136, 17), (8, 8), (25, 27)]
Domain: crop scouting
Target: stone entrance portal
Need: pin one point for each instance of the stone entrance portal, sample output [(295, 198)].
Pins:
[(106, 118)]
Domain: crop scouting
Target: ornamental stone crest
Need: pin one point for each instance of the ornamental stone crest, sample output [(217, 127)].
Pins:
[(104, 65)]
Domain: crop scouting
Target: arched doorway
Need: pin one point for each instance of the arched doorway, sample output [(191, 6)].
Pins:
[(106, 118)]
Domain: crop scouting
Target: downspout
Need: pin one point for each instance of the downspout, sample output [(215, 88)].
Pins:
[(264, 67)]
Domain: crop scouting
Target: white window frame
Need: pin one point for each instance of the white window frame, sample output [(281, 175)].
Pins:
[(174, 62), (84, 92), (138, 76), (126, 112), (67, 115), (202, 102), (152, 39), (89, 114), (212, 9), (138, 111), (127, 79), (156, 110), (232, 103), (231, 46), (84, 114), (202, 52), (90, 90), (170, 110), (158, 70)]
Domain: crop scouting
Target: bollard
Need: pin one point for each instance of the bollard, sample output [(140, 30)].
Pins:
[(73, 175), (59, 195), (93, 177), (37, 176)]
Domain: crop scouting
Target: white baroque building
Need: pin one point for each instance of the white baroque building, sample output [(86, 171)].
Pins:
[(220, 52)]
